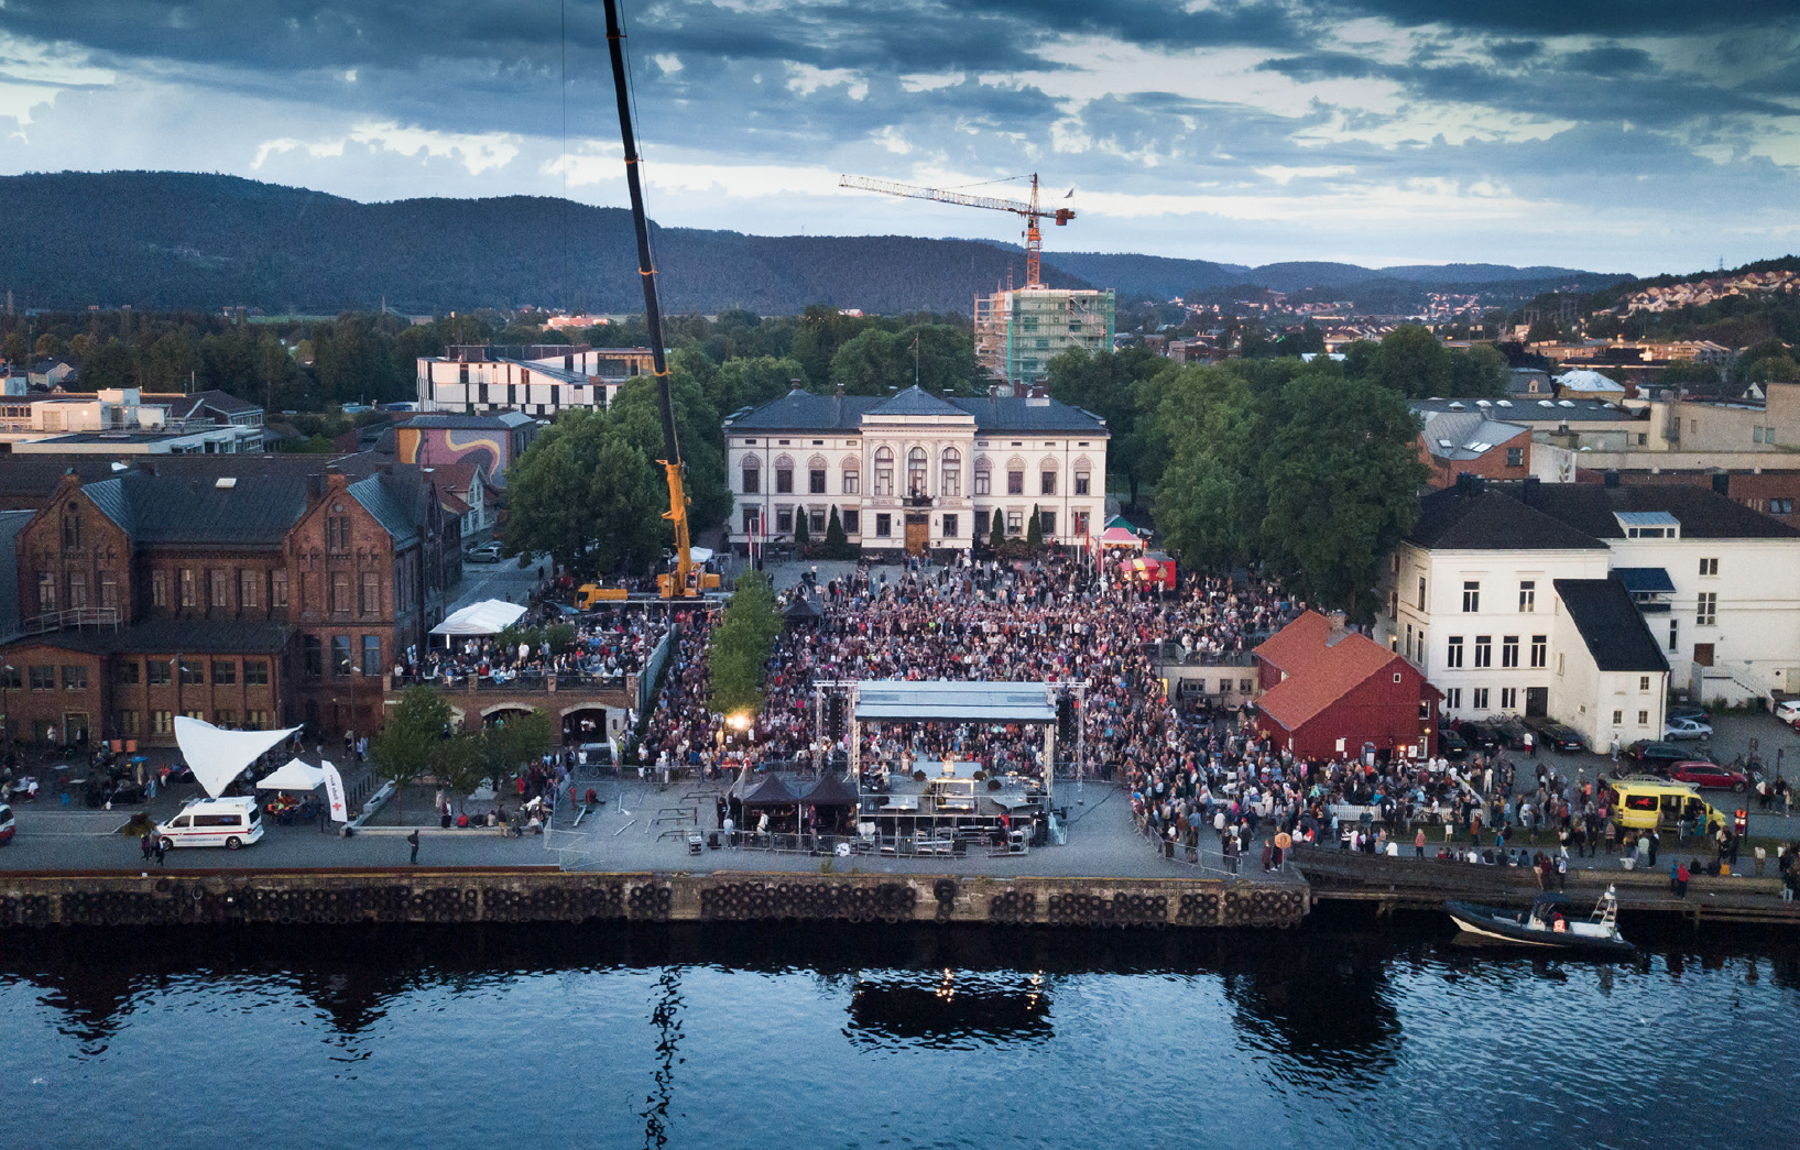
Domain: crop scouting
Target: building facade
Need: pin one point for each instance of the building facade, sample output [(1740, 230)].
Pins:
[(1470, 595), (914, 472), (480, 379), (1018, 333), (255, 600)]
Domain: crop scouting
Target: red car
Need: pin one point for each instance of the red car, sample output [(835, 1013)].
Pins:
[(1709, 775)]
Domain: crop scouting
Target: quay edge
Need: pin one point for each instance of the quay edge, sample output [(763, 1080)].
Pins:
[(546, 894)]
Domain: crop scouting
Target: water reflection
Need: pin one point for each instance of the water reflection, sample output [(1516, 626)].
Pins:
[(949, 1010)]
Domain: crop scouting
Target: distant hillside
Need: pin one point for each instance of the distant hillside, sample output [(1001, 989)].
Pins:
[(168, 240)]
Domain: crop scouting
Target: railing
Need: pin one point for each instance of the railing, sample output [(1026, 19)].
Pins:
[(63, 620), (523, 682)]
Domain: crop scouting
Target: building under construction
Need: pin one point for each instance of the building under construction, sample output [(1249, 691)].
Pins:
[(1018, 332)]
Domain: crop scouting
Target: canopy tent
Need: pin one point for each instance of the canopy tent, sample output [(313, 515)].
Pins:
[(1120, 537), (296, 776), (488, 617), (699, 555), (803, 610), (216, 756), (1120, 521), (830, 791), (769, 791)]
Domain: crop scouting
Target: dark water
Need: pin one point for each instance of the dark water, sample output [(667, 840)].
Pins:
[(797, 1037)]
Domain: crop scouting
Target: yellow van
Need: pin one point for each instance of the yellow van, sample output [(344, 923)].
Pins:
[(1641, 802)]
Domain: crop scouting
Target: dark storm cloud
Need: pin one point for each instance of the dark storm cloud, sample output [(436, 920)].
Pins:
[(1572, 17)]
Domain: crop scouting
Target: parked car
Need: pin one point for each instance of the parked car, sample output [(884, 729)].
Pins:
[(1711, 775), (1649, 753), (1483, 737), (1451, 745), (1686, 728), (6, 824), (1513, 731), (1689, 711), (486, 553), (1557, 736), (1788, 711)]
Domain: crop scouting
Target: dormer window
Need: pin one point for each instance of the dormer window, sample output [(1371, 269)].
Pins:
[(1648, 524)]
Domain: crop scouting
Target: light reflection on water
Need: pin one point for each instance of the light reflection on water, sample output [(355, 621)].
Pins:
[(740, 1036)]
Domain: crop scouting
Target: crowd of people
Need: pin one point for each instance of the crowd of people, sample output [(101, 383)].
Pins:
[(1053, 619), (606, 644)]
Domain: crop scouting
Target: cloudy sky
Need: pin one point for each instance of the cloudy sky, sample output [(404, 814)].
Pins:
[(1631, 135)]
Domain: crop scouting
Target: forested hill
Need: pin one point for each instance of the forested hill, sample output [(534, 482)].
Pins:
[(166, 240), (160, 240)]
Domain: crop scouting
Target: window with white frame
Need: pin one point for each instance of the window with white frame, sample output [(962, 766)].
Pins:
[(950, 485)]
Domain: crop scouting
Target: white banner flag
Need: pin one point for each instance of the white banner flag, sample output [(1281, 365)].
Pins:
[(334, 792)]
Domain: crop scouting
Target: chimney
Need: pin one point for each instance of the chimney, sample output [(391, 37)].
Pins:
[(949, 392), (1612, 477), (1721, 483), (1338, 628), (892, 390), (840, 391), (993, 391), (315, 487), (1528, 490)]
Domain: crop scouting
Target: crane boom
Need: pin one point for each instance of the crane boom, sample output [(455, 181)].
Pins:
[(676, 586), (1034, 238)]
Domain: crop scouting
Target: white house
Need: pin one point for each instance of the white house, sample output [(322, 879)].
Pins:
[(1470, 594), (914, 471)]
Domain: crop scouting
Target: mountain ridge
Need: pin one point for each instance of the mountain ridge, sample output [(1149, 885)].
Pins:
[(170, 240)]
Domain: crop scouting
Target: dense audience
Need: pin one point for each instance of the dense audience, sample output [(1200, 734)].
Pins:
[(608, 644)]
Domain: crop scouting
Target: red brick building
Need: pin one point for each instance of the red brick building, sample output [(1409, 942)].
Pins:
[(1476, 442), (245, 594), (1330, 693)]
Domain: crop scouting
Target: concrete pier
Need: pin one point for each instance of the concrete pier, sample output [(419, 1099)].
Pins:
[(546, 894)]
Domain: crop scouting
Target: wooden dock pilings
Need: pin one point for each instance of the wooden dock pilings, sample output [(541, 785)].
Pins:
[(533, 894)]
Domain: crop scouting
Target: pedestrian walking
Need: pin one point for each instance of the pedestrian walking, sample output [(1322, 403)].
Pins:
[(1655, 843), (413, 841), (148, 844), (161, 850)]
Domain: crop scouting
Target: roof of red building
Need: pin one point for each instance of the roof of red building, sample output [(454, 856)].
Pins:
[(1322, 666)]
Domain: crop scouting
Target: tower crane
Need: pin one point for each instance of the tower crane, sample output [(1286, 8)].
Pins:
[(1034, 238)]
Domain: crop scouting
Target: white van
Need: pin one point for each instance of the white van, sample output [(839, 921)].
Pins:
[(229, 823)]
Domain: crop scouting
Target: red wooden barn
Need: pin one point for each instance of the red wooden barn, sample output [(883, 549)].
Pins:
[(1330, 692)]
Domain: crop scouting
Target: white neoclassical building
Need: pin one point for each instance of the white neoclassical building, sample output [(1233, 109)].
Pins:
[(914, 471)]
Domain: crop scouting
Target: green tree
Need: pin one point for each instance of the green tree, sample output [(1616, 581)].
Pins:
[(1771, 369), (754, 381), (12, 348), (1686, 371), (411, 740), (1109, 384), (586, 494), (48, 346), (876, 360), (698, 431), (1412, 362), (502, 748), (997, 537), (837, 544), (1209, 503), (112, 364), (1342, 477), (802, 539), (743, 641), (1479, 373), (1034, 530)]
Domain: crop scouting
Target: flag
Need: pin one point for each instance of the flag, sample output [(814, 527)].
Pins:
[(334, 792), (1071, 194)]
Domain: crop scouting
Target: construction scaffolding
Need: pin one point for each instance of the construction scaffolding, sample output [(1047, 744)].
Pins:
[(1018, 332)]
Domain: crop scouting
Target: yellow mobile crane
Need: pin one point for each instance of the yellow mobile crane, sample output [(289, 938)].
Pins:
[(685, 582)]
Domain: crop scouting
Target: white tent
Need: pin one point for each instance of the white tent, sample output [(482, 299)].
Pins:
[(296, 776), (215, 756), (488, 617)]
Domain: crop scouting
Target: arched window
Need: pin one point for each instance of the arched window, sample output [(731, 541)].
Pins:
[(852, 475), (951, 485), (884, 471), (1083, 476), (984, 475), (784, 475), (916, 465), (752, 475)]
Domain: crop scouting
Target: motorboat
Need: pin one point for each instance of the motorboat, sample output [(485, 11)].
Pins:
[(1547, 924)]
